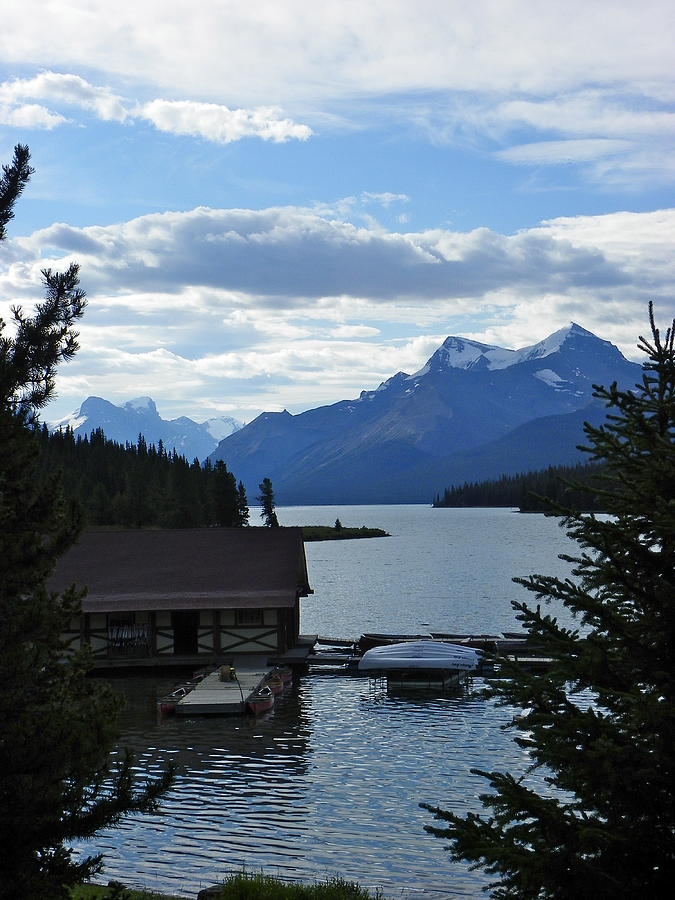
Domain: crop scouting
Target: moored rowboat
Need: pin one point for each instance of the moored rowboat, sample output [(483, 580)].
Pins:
[(285, 673), (275, 684), (261, 700)]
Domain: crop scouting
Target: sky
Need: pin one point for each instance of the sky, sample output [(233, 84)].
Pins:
[(278, 204)]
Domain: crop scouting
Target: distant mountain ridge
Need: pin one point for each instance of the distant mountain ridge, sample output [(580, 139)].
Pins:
[(472, 411), (139, 416)]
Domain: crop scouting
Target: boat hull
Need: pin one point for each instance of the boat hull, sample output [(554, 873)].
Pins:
[(261, 701)]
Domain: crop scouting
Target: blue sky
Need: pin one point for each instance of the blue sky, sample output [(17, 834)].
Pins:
[(277, 205)]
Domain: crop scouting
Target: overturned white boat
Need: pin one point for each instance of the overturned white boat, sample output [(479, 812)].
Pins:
[(419, 662)]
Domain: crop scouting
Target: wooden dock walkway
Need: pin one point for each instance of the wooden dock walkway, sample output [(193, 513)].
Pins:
[(215, 697)]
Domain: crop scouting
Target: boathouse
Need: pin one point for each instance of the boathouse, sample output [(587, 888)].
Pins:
[(185, 596)]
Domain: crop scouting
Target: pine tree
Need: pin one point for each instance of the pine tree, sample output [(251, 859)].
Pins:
[(242, 506), (58, 727), (600, 725), (224, 497), (266, 500)]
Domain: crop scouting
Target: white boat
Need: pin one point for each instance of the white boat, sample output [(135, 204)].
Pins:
[(420, 656)]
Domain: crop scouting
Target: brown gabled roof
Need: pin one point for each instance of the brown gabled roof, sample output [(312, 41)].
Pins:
[(178, 568)]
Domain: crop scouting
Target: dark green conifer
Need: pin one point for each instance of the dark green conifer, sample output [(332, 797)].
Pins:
[(224, 497), (599, 727), (266, 500), (58, 727), (242, 506)]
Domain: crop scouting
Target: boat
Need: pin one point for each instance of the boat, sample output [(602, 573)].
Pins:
[(168, 703), (373, 639), (421, 660), (283, 672), (275, 684), (477, 641), (261, 700)]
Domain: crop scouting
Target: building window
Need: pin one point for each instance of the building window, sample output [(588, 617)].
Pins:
[(126, 637), (248, 617)]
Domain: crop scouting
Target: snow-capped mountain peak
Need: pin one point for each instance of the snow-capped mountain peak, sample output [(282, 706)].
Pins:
[(474, 411), (553, 342), (141, 405), (464, 353), (140, 416)]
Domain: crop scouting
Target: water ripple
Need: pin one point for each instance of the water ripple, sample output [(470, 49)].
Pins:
[(329, 783), (330, 780)]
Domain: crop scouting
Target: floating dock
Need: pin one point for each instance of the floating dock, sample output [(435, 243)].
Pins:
[(345, 654), (211, 696)]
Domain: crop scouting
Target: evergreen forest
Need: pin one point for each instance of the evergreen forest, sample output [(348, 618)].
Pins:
[(566, 486), (141, 485)]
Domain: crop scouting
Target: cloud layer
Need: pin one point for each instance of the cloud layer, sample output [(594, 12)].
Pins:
[(245, 310), (572, 83)]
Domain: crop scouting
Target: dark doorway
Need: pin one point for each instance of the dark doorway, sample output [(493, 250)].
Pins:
[(185, 623)]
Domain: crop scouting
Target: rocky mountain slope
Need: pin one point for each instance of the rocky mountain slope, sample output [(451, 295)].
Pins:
[(473, 411)]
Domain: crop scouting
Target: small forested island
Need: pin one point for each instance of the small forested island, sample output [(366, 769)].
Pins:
[(338, 532), (568, 486)]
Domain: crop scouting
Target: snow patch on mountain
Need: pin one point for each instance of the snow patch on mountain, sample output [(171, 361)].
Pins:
[(141, 404), (221, 427), (74, 420), (548, 376)]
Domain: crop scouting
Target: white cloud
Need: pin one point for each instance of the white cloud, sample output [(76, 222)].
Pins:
[(29, 115), (555, 152), (286, 256), (599, 113), (340, 47), (219, 123), (211, 121), (355, 331), (289, 257), (623, 139), (65, 88)]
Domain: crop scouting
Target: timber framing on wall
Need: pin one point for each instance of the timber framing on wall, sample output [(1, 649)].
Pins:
[(185, 595)]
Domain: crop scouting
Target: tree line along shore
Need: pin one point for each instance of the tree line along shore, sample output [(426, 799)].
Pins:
[(568, 486)]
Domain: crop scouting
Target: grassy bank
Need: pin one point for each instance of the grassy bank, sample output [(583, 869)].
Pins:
[(241, 887), (116, 891)]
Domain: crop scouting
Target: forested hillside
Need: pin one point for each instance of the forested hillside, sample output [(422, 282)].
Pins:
[(527, 490), (141, 486)]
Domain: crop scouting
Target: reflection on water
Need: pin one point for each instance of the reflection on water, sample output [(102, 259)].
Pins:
[(330, 780)]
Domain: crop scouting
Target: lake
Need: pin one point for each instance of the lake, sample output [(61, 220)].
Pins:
[(330, 781)]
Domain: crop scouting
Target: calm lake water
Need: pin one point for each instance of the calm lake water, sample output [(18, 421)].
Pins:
[(329, 782)]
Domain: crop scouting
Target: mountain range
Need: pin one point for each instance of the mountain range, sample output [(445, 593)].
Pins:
[(473, 411), (124, 424)]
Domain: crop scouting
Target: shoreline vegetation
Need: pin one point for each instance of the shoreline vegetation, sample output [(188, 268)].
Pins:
[(338, 532), (243, 886), (573, 485)]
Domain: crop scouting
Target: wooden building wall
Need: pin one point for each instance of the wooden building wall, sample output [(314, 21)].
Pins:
[(171, 634)]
